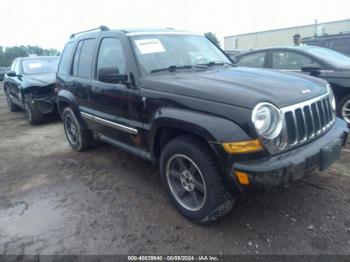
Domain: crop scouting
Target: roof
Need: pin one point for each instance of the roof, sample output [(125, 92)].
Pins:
[(37, 57), (341, 34), (134, 31), (292, 47)]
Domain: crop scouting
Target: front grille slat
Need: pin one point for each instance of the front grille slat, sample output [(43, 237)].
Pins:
[(318, 115), (306, 124), (296, 128), (306, 120)]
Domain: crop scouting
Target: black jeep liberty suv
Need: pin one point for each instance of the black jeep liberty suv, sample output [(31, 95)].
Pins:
[(216, 129)]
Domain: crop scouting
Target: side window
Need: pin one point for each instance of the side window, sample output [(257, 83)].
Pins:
[(76, 59), (13, 66), (111, 55), (85, 60), (253, 60), (18, 67), (340, 45), (284, 60), (64, 61)]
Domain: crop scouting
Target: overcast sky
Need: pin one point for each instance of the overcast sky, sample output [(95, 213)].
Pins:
[(49, 23)]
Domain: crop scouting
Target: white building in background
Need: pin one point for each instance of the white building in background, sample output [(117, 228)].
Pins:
[(280, 37)]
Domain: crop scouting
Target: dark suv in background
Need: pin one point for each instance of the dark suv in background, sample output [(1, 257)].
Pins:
[(324, 63), (338, 42), (216, 130), (30, 85)]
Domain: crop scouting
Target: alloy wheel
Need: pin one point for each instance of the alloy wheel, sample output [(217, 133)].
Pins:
[(71, 129), (346, 111), (28, 112), (186, 182)]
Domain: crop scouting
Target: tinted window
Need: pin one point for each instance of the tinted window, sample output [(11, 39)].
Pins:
[(284, 60), (85, 60), (40, 66), (332, 57), (18, 67), (111, 55), (13, 66), (253, 60), (63, 66), (76, 59), (340, 45)]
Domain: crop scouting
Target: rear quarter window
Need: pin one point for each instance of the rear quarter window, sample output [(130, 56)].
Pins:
[(85, 58), (64, 61)]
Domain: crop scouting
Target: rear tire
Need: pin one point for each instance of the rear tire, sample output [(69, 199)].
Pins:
[(33, 115), (80, 139), (11, 106), (343, 109), (194, 181)]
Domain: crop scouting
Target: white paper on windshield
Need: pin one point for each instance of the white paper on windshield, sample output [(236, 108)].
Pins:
[(149, 46), (35, 65)]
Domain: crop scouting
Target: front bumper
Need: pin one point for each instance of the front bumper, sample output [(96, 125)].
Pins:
[(46, 103), (294, 164)]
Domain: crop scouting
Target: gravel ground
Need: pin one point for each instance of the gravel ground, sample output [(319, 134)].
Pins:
[(106, 201)]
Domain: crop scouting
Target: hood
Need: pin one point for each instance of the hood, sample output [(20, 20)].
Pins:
[(240, 86), (39, 80)]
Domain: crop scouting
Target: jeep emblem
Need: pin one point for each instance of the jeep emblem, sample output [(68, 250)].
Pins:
[(306, 91)]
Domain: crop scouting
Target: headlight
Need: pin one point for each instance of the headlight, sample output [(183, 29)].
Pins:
[(267, 120), (331, 97)]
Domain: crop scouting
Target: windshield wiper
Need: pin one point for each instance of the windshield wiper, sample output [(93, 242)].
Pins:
[(219, 63), (174, 68)]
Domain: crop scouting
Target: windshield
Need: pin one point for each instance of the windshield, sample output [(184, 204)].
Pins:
[(40, 66), (155, 52), (332, 57)]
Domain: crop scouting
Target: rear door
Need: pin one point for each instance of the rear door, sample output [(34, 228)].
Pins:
[(81, 71), (293, 61)]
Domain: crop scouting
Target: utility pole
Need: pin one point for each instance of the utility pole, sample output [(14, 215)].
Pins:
[(315, 27)]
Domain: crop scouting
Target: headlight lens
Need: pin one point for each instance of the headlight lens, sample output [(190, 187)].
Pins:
[(267, 120), (331, 97)]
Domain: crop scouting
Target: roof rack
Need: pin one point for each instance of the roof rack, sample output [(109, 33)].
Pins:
[(102, 28)]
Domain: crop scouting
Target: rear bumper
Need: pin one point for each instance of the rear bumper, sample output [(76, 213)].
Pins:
[(292, 165)]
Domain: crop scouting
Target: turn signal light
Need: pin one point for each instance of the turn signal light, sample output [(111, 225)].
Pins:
[(243, 147), (242, 178)]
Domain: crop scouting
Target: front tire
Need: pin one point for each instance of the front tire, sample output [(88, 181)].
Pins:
[(80, 139), (343, 109), (194, 181), (33, 115)]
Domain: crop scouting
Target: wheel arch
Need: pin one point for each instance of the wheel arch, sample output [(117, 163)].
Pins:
[(169, 123), (66, 98)]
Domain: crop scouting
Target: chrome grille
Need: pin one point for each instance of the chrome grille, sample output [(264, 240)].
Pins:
[(307, 120)]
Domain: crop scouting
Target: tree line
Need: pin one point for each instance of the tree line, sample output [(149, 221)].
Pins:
[(8, 54)]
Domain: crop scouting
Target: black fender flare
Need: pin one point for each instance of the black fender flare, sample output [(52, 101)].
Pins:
[(213, 129), (66, 97)]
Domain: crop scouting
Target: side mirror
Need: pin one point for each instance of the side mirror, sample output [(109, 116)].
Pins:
[(312, 69), (111, 75), (11, 74)]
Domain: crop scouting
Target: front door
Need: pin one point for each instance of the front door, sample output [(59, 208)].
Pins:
[(117, 105)]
